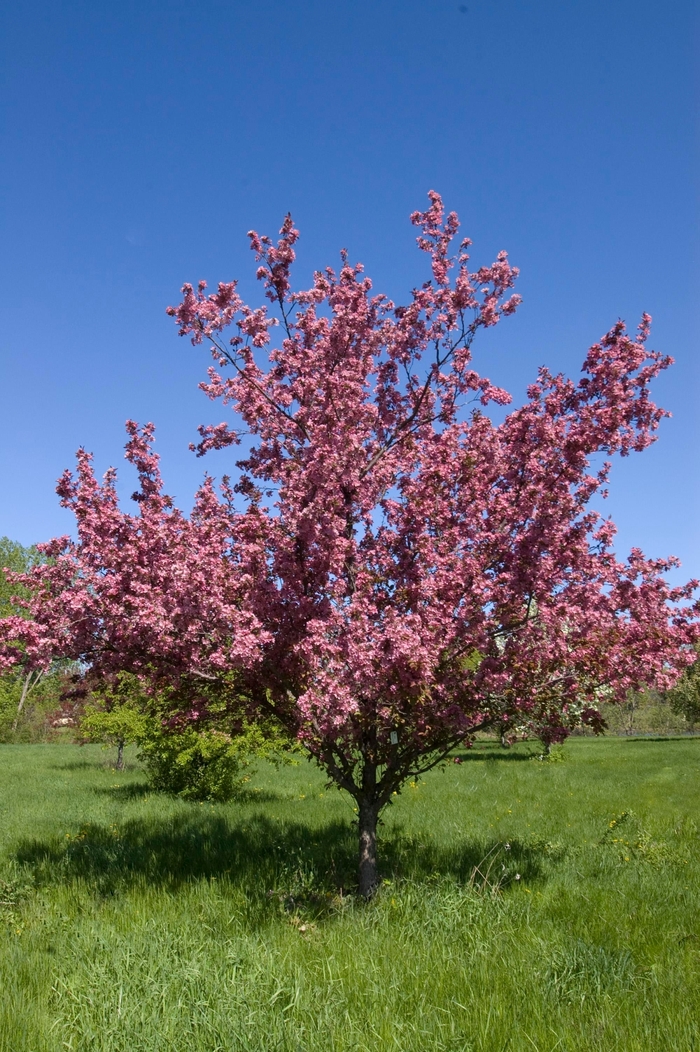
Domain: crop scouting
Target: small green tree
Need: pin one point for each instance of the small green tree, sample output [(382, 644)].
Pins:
[(120, 726)]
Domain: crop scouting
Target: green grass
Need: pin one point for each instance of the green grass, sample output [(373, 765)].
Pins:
[(132, 922)]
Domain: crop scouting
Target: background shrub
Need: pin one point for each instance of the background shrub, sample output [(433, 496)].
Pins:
[(195, 764)]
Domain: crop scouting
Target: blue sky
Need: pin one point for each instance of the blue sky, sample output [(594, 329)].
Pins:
[(140, 141)]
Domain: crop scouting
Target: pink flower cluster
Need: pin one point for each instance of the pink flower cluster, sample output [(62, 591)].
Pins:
[(155, 593)]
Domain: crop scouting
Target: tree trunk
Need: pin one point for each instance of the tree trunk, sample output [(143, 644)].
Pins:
[(369, 874), (632, 707), (367, 821), (120, 754), (26, 687)]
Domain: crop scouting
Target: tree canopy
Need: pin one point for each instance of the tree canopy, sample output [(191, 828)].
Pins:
[(390, 571)]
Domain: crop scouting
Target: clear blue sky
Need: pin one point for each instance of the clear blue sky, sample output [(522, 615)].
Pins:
[(141, 140)]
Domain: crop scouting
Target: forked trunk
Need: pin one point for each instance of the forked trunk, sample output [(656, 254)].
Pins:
[(369, 874)]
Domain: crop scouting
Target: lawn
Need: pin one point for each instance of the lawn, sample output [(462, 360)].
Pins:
[(526, 905)]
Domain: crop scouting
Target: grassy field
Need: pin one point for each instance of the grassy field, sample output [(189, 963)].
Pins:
[(131, 922)]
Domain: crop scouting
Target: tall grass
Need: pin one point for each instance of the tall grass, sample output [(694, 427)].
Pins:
[(514, 915)]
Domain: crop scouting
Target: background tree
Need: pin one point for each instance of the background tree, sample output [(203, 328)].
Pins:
[(550, 729), (19, 560), (16, 687), (685, 695), (115, 714), (392, 571)]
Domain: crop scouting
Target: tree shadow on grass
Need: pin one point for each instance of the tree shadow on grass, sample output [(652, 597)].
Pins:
[(271, 862), (76, 765), (493, 752), (128, 791), (661, 738), (140, 790), (170, 852)]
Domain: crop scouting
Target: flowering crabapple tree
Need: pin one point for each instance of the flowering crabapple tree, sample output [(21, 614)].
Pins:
[(390, 571)]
